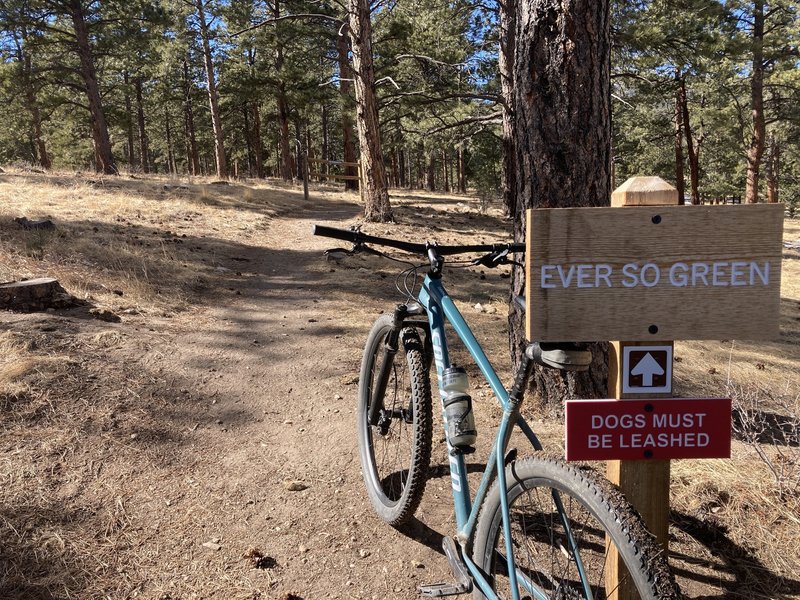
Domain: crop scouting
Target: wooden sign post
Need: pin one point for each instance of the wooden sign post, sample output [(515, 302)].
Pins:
[(644, 483)]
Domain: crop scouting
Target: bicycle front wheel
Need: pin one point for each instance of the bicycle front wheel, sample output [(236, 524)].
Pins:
[(563, 521), (395, 453)]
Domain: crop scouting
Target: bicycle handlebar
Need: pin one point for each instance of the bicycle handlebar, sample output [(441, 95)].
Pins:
[(356, 237)]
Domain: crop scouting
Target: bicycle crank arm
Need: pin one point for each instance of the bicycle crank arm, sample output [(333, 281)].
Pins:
[(462, 584)]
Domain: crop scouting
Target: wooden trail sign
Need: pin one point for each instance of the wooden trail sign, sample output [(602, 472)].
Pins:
[(654, 273)]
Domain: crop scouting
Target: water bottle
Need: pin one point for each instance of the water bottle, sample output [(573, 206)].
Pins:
[(458, 408)]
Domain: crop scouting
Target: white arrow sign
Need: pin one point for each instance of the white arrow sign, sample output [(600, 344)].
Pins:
[(647, 368), (653, 364)]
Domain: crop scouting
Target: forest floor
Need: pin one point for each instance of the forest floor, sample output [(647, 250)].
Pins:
[(203, 445)]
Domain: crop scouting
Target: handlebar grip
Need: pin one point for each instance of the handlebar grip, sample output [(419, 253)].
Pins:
[(333, 232)]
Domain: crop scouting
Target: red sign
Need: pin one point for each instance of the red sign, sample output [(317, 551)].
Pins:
[(648, 429)]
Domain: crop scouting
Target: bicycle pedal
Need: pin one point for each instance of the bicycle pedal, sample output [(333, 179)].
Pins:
[(463, 583), (438, 590)]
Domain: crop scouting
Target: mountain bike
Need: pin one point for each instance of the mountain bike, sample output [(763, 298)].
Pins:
[(537, 527)]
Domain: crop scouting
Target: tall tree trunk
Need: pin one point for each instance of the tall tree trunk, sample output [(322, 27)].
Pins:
[(248, 138), (756, 149), (430, 172), (132, 163), (680, 184), (563, 139), (402, 166), (508, 21), (172, 168), (376, 196), (286, 163), (213, 96), (772, 168), (392, 179), (144, 146), (36, 114), (104, 157), (462, 177), (691, 147), (445, 171), (258, 145), (324, 151), (192, 156), (282, 105), (345, 87)]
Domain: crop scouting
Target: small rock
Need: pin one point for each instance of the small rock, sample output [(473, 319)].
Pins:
[(338, 397), (134, 436), (363, 553), (104, 315), (479, 307), (212, 546), (292, 485), (491, 310), (417, 565)]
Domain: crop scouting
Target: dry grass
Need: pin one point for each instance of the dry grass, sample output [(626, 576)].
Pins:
[(127, 243)]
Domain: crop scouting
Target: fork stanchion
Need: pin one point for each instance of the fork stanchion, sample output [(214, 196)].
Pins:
[(645, 483)]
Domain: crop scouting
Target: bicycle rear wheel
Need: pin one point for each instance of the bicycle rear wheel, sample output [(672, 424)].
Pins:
[(395, 454), (594, 515)]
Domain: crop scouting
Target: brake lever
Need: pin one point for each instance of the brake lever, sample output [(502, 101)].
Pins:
[(493, 259), (359, 247)]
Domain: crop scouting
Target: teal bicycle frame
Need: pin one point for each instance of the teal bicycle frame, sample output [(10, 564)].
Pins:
[(440, 308)]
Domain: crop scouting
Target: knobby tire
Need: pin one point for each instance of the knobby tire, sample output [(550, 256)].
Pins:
[(395, 465), (596, 512)]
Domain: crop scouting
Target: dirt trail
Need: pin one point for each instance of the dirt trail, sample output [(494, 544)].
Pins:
[(272, 374)]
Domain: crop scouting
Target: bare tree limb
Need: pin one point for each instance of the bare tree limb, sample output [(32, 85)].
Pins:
[(492, 117), (286, 18), (422, 57)]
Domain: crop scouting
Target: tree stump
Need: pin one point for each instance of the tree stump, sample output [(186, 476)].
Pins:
[(34, 294)]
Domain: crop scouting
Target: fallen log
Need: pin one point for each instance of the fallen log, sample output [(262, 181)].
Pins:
[(35, 294), (26, 223)]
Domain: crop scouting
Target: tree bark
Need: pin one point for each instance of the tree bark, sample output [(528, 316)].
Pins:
[(144, 146), (691, 148), (192, 156), (462, 178), (376, 197), (104, 157), (772, 169), (172, 168), (562, 123), (324, 152), (508, 19), (213, 95), (132, 164), (430, 173), (36, 114), (680, 184), (286, 165), (446, 171), (258, 144), (756, 149), (345, 86), (401, 158), (248, 137)]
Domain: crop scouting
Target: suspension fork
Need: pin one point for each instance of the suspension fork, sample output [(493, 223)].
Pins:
[(390, 348)]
